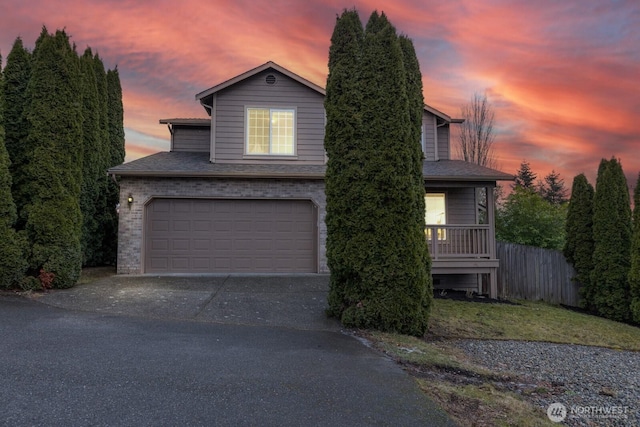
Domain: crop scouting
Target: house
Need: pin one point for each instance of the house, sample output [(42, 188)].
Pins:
[(243, 190)]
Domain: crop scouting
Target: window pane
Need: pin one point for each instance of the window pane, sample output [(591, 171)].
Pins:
[(435, 209), (282, 132), (258, 131), (435, 213)]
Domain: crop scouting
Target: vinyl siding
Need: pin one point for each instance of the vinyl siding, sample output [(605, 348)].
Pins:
[(460, 204), (444, 143), (255, 92), (428, 136), (191, 138), (428, 139)]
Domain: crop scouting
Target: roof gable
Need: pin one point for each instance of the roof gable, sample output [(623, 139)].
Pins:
[(205, 96)]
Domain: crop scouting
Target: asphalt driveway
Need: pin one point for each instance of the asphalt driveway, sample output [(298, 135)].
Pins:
[(196, 351)]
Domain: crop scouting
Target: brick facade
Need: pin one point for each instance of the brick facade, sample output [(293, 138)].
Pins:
[(143, 190)]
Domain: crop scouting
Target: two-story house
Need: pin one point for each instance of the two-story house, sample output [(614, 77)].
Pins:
[(243, 190)]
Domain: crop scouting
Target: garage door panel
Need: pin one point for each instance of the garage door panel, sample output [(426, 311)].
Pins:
[(180, 245), (263, 236)]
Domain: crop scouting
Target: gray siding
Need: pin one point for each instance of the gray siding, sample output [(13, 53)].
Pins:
[(461, 207), (230, 117), (191, 138), (428, 136), (444, 143)]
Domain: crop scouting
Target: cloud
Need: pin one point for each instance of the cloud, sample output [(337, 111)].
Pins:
[(562, 76)]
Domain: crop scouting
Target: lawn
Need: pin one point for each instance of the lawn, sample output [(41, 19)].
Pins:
[(474, 395)]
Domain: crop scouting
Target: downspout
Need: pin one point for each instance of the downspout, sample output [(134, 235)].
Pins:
[(212, 144), (436, 155), (171, 132)]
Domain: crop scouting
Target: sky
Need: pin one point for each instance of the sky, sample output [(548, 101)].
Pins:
[(563, 77)]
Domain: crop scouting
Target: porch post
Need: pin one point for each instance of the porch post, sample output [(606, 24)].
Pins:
[(491, 217)]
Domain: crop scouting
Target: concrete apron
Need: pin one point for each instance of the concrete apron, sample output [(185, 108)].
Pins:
[(292, 301)]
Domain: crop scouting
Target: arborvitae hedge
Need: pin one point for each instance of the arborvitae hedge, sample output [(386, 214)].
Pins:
[(343, 144), (92, 167), (385, 273), (64, 130), (578, 248), (54, 219), (115, 156), (16, 75), (12, 262), (634, 272), (612, 242)]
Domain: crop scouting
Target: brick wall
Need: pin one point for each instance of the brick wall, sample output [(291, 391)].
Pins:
[(143, 190)]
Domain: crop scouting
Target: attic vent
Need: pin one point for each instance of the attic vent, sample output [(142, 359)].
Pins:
[(271, 79)]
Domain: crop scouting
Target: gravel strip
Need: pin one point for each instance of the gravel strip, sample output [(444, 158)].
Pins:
[(588, 381)]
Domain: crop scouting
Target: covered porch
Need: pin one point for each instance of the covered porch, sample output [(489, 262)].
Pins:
[(462, 244)]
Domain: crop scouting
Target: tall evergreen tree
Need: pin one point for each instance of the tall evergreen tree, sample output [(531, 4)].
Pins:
[(387, 281), (93, 164), (612, 241), (552, 189), (343, 144), (116, 155), (578, 248), (102, 252), (12, 263), (54, 219), (634, 272), (525, 178), (16, 75)]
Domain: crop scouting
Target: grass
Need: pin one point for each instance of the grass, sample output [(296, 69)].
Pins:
[(474, 395), (529, 321)]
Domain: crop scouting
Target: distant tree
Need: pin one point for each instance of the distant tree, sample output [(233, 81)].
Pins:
[(634, 272), (476, 135), (525, 177), (16, 76), (612, 242), (527, 219), (12, 262), (54, 113), (578, 248), (552, 189), (378, 259)]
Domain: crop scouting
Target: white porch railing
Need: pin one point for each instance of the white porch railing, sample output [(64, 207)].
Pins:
[(460, 241)]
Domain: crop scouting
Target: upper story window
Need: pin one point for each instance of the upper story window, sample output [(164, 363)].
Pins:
[(270, 131)]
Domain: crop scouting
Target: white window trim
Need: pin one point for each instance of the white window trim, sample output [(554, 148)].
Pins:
[(271, 108), (442, 236)]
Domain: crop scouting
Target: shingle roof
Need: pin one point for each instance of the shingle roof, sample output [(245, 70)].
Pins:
[(188, 164), (459, 170)]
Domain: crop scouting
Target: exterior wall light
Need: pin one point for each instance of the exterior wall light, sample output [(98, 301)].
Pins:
[(130, 199)]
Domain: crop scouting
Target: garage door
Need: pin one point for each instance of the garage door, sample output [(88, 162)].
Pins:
[(223, 236)]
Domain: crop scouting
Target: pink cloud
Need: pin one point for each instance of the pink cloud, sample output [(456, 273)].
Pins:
[(561, 75)]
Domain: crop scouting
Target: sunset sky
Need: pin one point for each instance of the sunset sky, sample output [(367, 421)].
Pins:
[(563, 76)]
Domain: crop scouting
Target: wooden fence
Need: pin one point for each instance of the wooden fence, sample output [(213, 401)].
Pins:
[(536, 274)]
